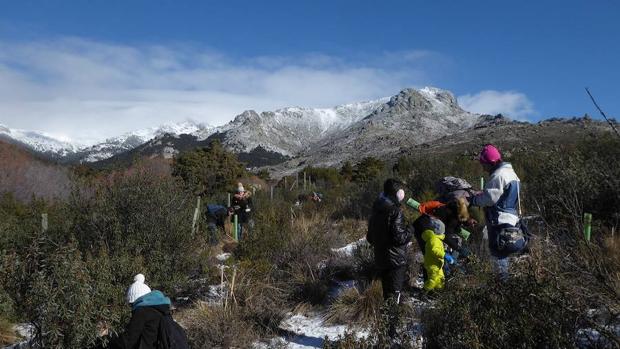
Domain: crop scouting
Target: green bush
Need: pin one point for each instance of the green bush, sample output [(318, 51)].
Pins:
[(574, 179), (140, 217), (368, 169), (524, 312), (54, 289), (210, 169)]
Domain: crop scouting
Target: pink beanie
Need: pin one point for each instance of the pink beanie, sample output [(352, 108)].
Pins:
[(490, 155)]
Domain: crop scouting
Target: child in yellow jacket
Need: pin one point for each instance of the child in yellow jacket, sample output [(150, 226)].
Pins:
[(430, 233), (434, 254)]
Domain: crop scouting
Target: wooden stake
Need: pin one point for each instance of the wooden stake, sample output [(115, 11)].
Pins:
[(235, 228), (304, 180), (232, 286), (222, 282), (44, 222), (271, 193), (196, 215)]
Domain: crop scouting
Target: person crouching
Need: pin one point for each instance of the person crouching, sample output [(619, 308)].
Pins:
[(147, 310)]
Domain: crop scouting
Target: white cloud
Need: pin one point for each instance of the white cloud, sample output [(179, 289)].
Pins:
[(87, 90), (510, 103)]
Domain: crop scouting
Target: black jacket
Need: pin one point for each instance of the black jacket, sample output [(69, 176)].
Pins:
[(142, 330), (243, 208), (388, 234)]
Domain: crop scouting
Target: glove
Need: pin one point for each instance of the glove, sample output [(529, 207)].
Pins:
[(449, 259)]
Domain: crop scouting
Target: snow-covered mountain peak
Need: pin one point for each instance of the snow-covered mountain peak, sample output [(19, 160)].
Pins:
[(425, 100), (290, 130), (39, 141)]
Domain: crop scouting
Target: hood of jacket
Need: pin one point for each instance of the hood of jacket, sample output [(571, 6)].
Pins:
[(385, 203), (436, 228), (152, 299), (429, 234)]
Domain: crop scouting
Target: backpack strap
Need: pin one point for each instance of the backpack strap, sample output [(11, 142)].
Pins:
[(519, 201)]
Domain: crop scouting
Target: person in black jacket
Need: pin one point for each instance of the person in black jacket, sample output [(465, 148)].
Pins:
[(242, 206), (148, 309), (389, 236)]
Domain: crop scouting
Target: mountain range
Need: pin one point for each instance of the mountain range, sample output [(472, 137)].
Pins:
[(289, 138)]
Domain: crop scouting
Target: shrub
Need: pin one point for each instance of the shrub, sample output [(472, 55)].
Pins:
[(524, 312), (139, 217), (55, 291), (564, 184), (368, 169), (210, 169), (542, 305)]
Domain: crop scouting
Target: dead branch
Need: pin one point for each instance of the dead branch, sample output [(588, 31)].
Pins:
[(602, 113)]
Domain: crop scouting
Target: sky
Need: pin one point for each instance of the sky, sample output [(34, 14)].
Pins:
[(88, 70)]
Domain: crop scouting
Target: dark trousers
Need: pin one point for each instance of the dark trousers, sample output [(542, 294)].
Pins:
[(393, 280)]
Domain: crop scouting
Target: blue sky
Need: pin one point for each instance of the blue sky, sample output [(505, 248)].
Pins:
[(121, 65)]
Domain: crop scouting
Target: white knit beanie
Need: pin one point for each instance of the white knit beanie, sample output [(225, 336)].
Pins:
[(240, 188), (137, 289)]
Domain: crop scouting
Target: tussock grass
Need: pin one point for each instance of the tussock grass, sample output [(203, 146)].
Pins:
[(216, 327), (7, 334), (353, 306)]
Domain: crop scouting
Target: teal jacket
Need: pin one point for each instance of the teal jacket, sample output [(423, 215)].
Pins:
[(143, 328), (151, 299)]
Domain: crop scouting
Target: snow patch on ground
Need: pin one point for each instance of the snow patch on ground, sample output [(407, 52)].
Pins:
[(223, 257), (309, 332), (348, 250)]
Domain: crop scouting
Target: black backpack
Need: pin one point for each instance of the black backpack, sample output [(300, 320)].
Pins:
[(171, 335)]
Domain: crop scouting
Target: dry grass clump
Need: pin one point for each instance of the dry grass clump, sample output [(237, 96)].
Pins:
[(216, 327), (7, 334), (349, 229), (353, 306)]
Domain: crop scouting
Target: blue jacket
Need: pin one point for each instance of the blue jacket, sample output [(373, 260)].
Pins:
[(500, 196)]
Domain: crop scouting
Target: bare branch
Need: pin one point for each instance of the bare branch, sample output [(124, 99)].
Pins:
[(602, 113)]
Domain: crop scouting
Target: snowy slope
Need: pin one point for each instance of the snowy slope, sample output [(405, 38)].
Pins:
[(39, 141), (289, 131), (131, 140), (411, 117), (77, 152)]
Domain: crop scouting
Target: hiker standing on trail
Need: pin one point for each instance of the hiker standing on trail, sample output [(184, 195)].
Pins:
[(149, 326), (500, 197), (242, 205), (389, 236)]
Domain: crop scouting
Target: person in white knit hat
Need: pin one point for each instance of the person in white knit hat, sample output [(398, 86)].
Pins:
[(242, 206), (148, 309), (137, 289)]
